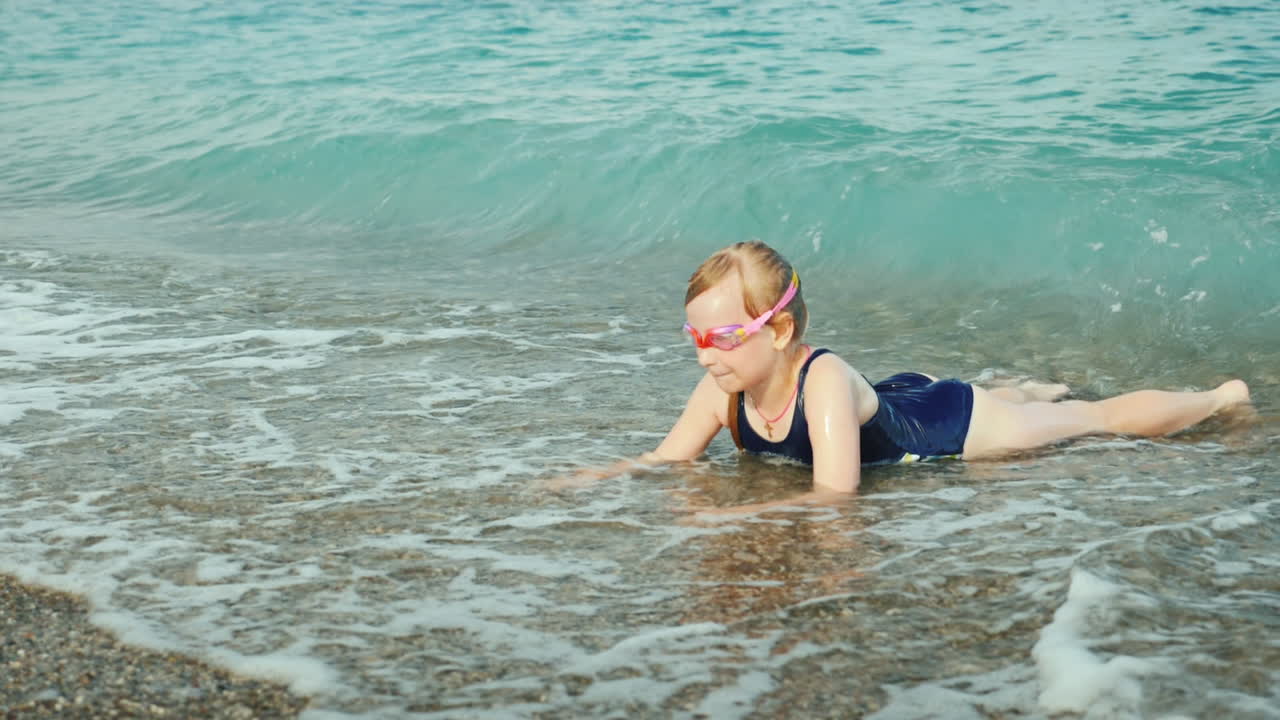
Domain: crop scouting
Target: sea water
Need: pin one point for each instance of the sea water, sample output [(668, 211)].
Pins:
[(302, 304)]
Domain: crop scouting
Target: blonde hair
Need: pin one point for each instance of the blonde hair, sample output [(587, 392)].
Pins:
[(765, 276)]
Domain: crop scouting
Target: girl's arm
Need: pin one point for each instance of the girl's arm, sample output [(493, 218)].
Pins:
[(688, 438), (703, 416), (831, 409)]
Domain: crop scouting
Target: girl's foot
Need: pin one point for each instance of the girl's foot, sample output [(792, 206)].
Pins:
[(1231, 393)]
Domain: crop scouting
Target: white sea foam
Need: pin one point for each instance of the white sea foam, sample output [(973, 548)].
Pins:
[(1009, 689), (1073, 678), (303, 675), (21, 400), (944, 523), (1233, 521), (137, 631), (682, 656), (926, 702), (736, 700), (260, 363), (217, 568)]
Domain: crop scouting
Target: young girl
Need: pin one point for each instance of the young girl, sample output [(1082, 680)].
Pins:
[(779, 396)]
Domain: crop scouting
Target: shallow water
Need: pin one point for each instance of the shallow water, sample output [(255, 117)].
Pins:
[(344, 489), (301, 307)]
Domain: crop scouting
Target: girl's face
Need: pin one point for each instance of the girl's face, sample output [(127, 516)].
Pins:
[(746, 365)]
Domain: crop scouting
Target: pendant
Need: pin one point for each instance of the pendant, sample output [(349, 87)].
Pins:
[(768, 429)]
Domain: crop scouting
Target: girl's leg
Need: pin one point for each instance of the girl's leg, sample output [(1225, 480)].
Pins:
[(1155, 412), (998, 425), (1030, 391)]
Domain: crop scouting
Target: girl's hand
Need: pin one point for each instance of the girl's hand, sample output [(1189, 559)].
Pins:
[(590, 476), (577, 480)]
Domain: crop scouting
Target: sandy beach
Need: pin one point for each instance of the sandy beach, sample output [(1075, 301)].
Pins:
[(55, 664)]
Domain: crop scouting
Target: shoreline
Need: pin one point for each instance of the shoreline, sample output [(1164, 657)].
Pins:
[(55, 663)]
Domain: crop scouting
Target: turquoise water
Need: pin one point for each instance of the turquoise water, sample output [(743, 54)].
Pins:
[(301, 303)]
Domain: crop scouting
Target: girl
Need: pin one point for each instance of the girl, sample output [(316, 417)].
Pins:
[(747, 318)]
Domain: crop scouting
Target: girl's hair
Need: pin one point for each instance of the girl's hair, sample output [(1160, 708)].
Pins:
[(765, 276)]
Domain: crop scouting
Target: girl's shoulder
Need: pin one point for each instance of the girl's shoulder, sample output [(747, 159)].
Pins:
[(830, 372), (829, 364)]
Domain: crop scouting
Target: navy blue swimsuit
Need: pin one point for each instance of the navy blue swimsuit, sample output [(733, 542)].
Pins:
[(918, 418)]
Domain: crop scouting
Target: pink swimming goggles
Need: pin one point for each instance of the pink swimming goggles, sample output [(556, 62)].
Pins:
[(731, 336)]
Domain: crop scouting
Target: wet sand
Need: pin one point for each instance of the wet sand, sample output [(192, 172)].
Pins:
[(54, 663)]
